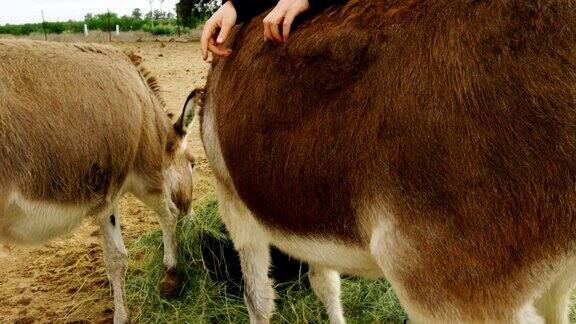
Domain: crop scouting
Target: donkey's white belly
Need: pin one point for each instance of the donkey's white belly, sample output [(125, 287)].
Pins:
[(343, 258), (23, 221)]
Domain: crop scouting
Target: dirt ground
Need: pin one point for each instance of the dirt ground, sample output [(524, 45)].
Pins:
[(64, 281)]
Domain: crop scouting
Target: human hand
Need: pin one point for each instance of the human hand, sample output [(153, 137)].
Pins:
[(283, 14), (224, 19)]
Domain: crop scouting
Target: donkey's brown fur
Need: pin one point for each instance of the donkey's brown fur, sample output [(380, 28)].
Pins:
[(440, 136), (80, 125)]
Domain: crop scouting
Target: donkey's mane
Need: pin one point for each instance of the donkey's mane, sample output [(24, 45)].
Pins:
[(147, 75)]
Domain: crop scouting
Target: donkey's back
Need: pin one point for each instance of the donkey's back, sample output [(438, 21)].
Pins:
[(71, 118)]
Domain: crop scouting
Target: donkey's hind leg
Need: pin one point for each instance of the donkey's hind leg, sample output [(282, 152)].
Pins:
[(403, 267), (554, 303), (252, 245), (326, 285)]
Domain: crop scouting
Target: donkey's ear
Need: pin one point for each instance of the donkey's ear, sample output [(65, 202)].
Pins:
[(195, 98)]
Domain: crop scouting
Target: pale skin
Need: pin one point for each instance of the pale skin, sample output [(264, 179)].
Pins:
[(277, 25)]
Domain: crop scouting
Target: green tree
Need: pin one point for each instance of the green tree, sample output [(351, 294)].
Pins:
[(193, 12), (137, 14), (158, 15)]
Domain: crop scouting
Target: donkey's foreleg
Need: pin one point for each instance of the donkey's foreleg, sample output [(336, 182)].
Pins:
[(168, 220), (326, 285), (116, 260)]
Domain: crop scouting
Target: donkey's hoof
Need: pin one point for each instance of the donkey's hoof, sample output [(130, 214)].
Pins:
[(107, 320), (171, 284)]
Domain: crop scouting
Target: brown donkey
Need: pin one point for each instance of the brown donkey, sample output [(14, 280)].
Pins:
[(432, 142), (80, 125)]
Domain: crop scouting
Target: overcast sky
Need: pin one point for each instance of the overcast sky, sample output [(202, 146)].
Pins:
[(24, 11)]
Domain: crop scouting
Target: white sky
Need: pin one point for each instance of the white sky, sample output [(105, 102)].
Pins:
[(29, 11)]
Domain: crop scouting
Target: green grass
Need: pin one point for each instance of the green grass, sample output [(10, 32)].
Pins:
[(204, 301)]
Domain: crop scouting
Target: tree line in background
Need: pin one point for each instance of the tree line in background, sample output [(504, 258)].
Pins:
[(195, 12), (189, 14)]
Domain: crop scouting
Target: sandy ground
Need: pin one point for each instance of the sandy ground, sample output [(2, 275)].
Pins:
[(64, 280)]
